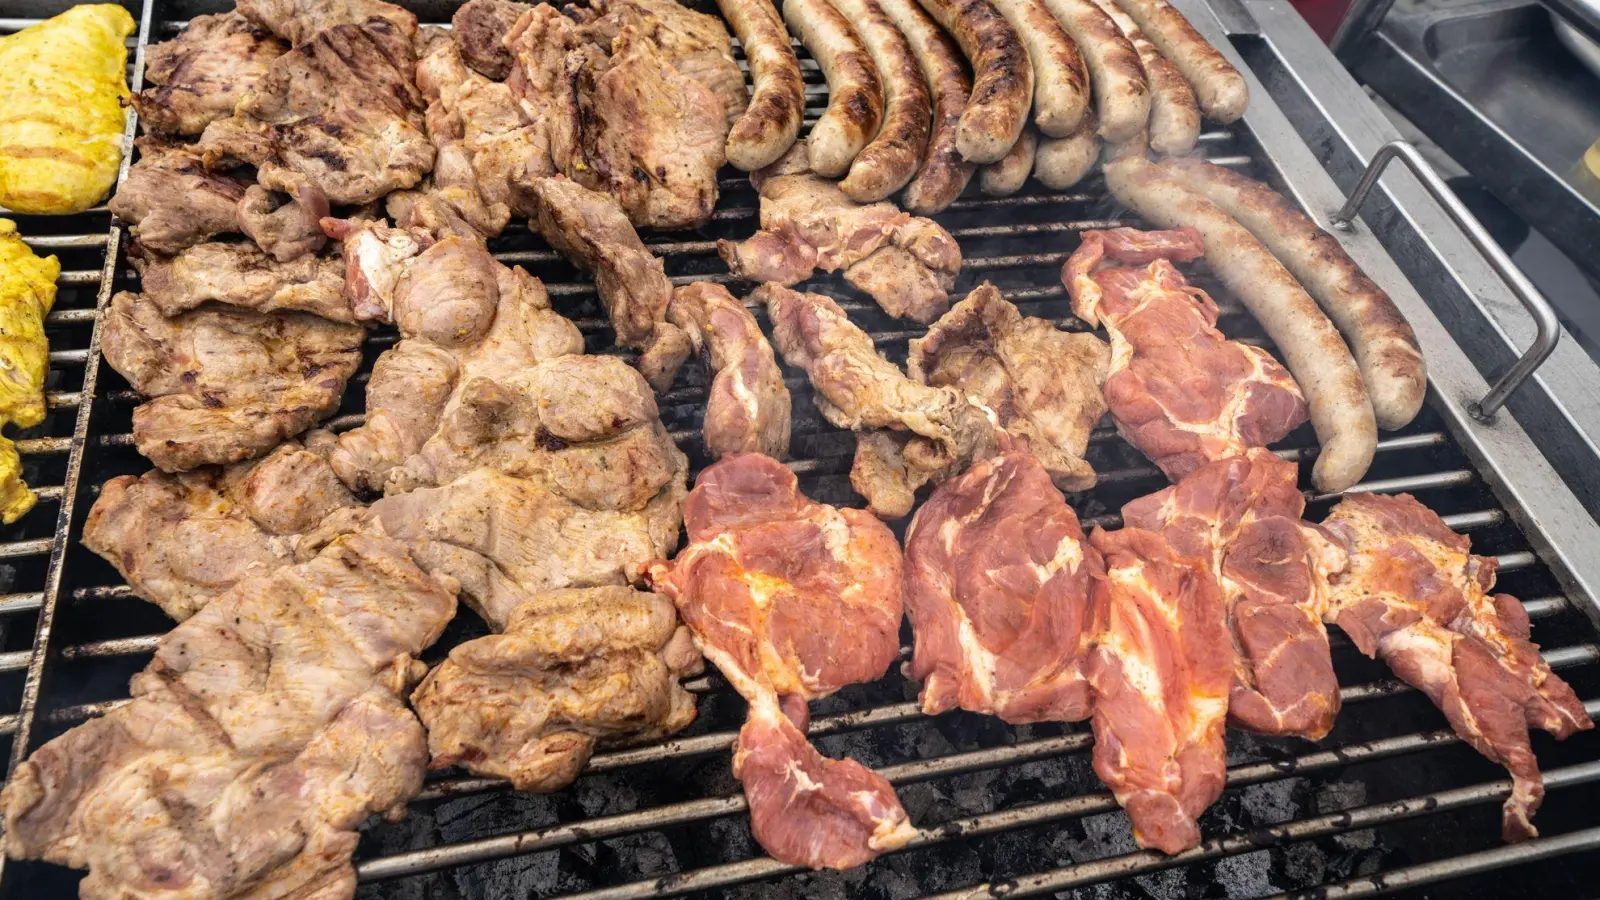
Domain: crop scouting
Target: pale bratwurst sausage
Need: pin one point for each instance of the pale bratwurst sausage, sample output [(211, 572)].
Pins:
[(1060, 80), (1116, 77), (772, 120), (1220, 88), (855, 94), (889, 161), (1002, 77), (944, 174), (1174, 125)]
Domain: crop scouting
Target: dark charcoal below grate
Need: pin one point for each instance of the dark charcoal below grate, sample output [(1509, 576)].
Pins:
[(1006, 811)]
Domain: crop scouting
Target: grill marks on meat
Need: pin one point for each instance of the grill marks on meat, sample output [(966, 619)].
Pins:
[(181, 540), (200, 75), (1416, 596), (171, 201), (591, 230), (747, 408), (907, 264), (226, 384), (934, 432), (697, 44), (267, 728), (239, 275), (299, 21), (1242, 514), (998, 574), (463, 319), (1178, 390), (1043, 385), (792, 600), (480, 28), (1161, 669), (339, 111), (573, 670)]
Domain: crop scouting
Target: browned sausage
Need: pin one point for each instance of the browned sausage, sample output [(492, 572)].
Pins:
[(772, 121), (1174, 113), (1220, 88), (855, 93), (1002, 77), (1311, 347), (893, 156), (1060, 163), (1121, 95), (1385, 346), (1007, 176), (1060, 80), (944, 174)]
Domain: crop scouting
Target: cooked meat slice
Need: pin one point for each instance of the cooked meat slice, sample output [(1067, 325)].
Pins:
[(242, 276), (507, 538), (171, 201), (226, 384), (462, 317), (200, 75), (298, 21), (792, 600), (574, 669), (905, 263), (1160, 669), (480, 28), (375, 257), (1416, 596), (697, 44), (747, 408), (285, 227), (997, 584), (1242, 514), (1178, 390), (181, 540), (548, 52), (1043, 385), (858, 389), (266, 730), (339, 111), (592, 231)]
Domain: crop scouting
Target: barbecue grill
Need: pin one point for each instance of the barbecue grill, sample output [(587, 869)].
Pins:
[(1390, 802)]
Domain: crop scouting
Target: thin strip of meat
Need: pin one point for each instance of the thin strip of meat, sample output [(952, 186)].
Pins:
[(944, 174), (1041, 384), (888, 162), (1161, 669), (204, 72), (1416, 596), (747, 407), (1311, 346), (1385, 346), (1060, 163), (241, 275), (1242, 515), (1178, 390), (1220, 88), (591, 230), (792, 600), (1174, 125), (1002, 77), (1006, 177), (770, 125), (858, 389), (998, 575), (905, 263), (855, 90), (1060, 80), (1121, 92)]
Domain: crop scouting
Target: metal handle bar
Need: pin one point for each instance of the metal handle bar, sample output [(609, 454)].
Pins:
[(1544, 315)]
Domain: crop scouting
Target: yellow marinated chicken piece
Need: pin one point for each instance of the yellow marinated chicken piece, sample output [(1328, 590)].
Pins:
[(27, 291), (62, 85)]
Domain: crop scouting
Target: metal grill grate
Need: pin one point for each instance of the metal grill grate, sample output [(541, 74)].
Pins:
[(1005, 811)]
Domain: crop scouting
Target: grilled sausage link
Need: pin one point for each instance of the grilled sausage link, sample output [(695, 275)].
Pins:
[(889, 161), (1311, 347), (1385, 346), (1060, 163), (1116, 76), (1174, 124), (944, 174), (772, 120), (855, 93), (1006, 177), (1060, 80), (1002, 77), (1220, 88)]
